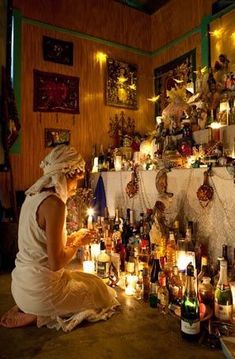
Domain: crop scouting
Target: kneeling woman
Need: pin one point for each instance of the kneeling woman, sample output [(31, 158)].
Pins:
[(41, 286)]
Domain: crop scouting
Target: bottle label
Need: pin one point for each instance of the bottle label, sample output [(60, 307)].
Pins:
[(190, 326), (223, 312), (103, 269)]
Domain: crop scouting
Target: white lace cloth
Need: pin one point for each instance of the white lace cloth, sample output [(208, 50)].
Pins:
[(215, 223)]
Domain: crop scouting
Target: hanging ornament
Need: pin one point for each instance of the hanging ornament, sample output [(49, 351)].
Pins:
[(205, 191), (132, 187)]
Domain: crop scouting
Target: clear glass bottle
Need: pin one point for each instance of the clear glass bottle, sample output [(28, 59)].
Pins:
[(223, 295), (176, 287), (163, 294), (146, 284), (190, 315), (103, 263), (171, 251)]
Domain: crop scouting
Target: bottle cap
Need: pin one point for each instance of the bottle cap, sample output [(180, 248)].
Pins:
[(102, 245), (190, 270)]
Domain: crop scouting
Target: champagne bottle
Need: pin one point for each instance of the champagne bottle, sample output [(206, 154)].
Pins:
[(223, 295), (190, 315)]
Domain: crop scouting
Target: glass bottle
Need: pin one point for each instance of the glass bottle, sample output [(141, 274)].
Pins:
[(146, 284), (171, 251), (103, 263), (190, 315), (223, 295), (206, 292), (155, 270), (163, 293), (175, 287), (204, 272), (101, 159)]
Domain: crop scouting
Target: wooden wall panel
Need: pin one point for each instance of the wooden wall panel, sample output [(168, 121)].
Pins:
[(92, 124), (192, 42), (106, 19), (176, 18)]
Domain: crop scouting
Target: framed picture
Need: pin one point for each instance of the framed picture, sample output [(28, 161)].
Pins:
[(55, 92), (166, 77), (57, 50), (56, 136), (121, 84)]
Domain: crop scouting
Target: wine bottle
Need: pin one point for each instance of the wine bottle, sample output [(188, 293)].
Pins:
[(155, 270), (223, 295), (190, 315)]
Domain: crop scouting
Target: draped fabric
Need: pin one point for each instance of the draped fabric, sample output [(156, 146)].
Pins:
[(99, 201), (60, 299)]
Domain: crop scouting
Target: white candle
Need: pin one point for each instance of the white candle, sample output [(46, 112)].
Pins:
[(118, 163), (90, 222), (88, 266), (131, 281)]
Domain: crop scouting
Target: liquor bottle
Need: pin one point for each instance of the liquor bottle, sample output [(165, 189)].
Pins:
[(101, 159), (175, 287), (206, 292), (163, 293), (139, 286), (190, 315), (223, 295), (225, 252), (155, 270), (204, 272), (176, 230), (153, 299), (171, 251), (188, 240), (103, 263), (231, 270), (216, 275), (146, 284)]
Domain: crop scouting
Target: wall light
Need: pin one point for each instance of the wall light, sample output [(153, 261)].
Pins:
[(217, 33), (101, 57)]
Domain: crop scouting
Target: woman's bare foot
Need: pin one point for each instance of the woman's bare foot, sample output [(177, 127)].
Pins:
[(15, 318)]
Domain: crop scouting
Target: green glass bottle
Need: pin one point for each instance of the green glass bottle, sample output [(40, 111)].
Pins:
[(223, 295), (190, 315)]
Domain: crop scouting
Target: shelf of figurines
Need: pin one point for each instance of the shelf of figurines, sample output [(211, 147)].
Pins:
[(211, 146)]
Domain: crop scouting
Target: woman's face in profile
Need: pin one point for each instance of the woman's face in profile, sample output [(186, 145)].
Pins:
[(73, 183)]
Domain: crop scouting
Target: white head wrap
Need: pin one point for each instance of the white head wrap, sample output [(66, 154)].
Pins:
[(60, 161)]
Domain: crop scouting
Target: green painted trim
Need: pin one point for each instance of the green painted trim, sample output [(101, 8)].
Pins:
[(205, 41), (86, 36), (176, 41), (17, 71)]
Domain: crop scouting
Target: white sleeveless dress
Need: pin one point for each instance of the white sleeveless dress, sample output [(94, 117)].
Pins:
[(60, 299)]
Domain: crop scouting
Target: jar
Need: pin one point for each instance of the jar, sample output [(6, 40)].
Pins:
[(206, 291)]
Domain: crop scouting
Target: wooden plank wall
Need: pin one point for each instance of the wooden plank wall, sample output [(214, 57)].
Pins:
[(111, 21), (92, 124)]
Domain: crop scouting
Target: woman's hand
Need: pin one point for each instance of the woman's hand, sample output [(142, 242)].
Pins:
[(80, 238)]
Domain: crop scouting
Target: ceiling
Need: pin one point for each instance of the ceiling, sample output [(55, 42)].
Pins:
[(147, 6)]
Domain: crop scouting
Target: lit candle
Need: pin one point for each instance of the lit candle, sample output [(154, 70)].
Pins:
[(88, 266), (131, 281), (118, 163), (90, 213)]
